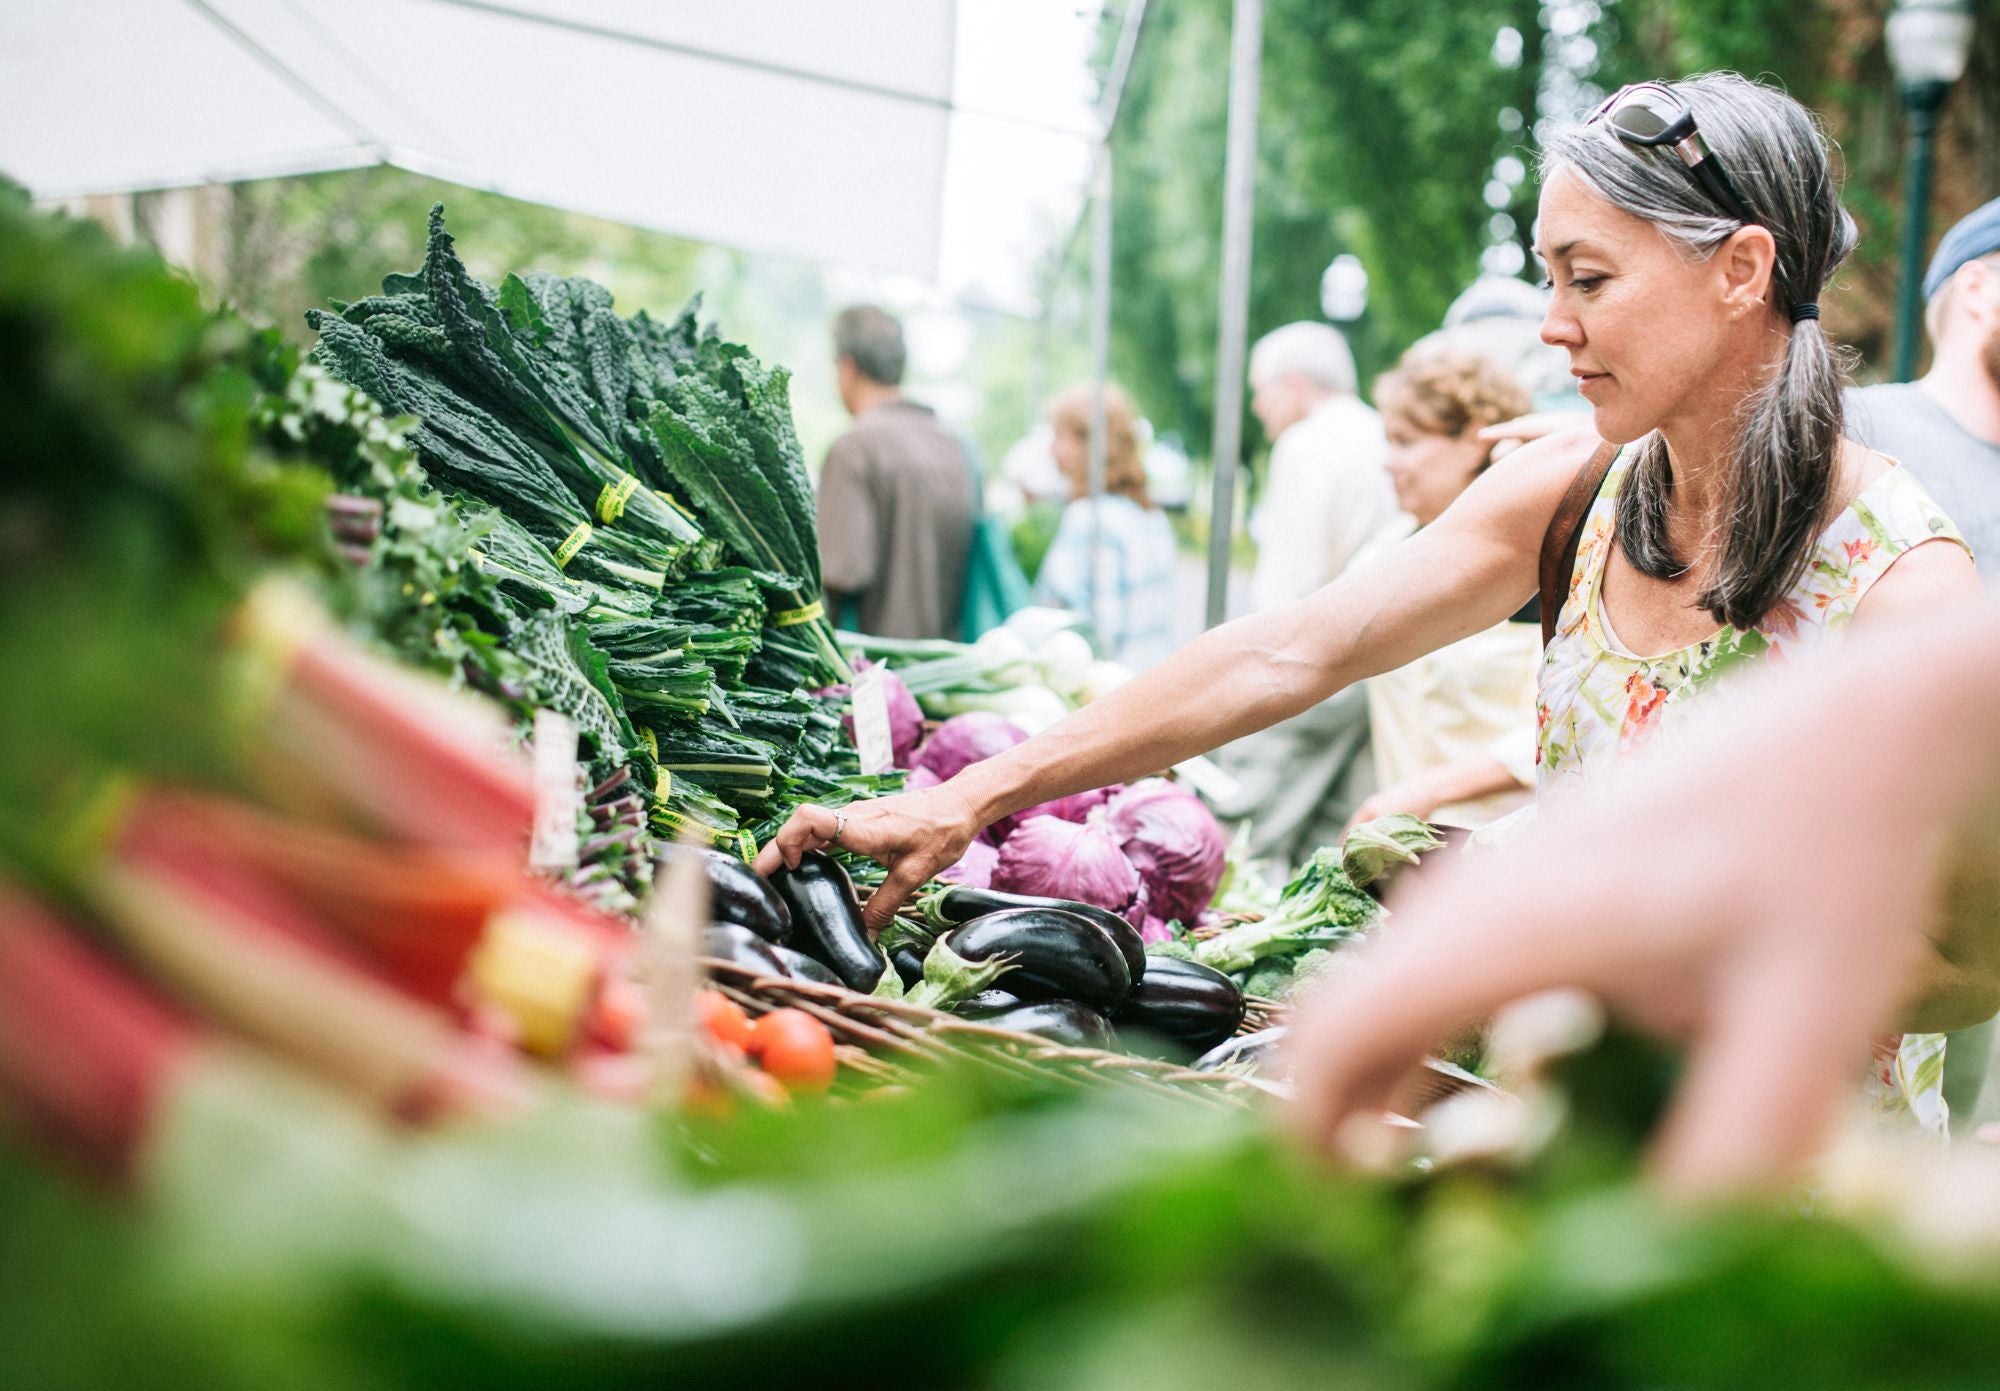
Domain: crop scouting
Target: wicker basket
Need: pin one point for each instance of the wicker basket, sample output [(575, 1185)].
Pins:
[(887, 1042)]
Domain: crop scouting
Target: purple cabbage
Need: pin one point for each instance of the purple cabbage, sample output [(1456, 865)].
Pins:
[(1080, 861), (975, 868), (964, 740), (1175, 843)]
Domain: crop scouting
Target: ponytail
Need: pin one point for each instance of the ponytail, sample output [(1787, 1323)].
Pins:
[(1783, 486)]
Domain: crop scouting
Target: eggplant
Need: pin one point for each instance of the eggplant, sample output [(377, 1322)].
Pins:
[(799, 966), (1185, 1003), (1057, 955), (826, 922), (741, 947), (739, 894), (1059, 1021), (963, 903), (909, 964)]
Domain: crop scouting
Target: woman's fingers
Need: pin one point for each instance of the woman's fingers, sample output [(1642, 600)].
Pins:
[(906, 876), (1523, 428), (1482, 936), (809, 827), (1765, 1082)]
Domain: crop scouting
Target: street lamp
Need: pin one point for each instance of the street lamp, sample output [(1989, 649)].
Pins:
[(1929, 41)]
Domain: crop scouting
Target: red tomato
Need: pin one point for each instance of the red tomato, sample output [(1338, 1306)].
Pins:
[(795, 1048), (617, 1013), (722, 1019)]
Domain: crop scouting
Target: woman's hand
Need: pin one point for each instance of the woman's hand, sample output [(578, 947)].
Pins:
[(1510, 435), (1410, 796), (914, 834), (1760, 888), (1422, 795)]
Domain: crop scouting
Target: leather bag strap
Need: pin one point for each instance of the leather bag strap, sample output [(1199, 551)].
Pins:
[(1565, 533)]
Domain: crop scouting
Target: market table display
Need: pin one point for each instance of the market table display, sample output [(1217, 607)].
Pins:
[(368, 1010)]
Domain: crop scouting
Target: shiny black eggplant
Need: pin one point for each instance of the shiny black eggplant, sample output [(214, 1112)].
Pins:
[(1057, 955), (909, 964), (799, 966), (826, 921), (739, 894), (963, 903), (1059, 1021), (741, 947), (1183, 1002)]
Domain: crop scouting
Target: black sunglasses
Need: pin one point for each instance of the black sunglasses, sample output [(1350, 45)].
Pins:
[(1647, 113)]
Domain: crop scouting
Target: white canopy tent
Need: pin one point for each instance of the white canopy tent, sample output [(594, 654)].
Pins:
[(946, 140), (872, 133)]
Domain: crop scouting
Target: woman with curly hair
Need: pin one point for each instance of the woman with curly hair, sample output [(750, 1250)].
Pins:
[(1454, 731)]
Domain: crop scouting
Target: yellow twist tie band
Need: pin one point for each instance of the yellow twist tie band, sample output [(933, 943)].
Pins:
[(612, 498), (746, 845), (647, 738), (663, 784), (572, 543), (791, 618), (674, 503)]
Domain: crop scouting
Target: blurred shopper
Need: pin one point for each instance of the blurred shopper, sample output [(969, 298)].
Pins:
[(897, 496), (1765, 887), (1128, 593), (1326, 499), (1946, 426), (1726, 519), (1453, 732), (1327, 494), (1946, 430), (1500, 318)]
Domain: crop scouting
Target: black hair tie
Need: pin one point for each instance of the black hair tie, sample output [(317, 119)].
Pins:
[(1801, 312)]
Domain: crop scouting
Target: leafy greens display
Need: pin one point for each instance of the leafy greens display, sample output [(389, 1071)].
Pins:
[(632, 497)]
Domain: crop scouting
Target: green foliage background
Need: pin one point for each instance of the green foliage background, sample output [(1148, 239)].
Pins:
[(1380, 124)]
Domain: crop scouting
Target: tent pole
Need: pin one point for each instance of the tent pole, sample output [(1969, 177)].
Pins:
[(1246, 51), (1100, 348)]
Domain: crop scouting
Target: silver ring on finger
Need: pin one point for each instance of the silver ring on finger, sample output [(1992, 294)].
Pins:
[(839, 825)]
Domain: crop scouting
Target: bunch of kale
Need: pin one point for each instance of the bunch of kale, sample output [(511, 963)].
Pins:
[(633, 498)]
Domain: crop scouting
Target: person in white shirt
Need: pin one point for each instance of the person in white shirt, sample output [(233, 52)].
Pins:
[(1326, 499), (1327, 493)]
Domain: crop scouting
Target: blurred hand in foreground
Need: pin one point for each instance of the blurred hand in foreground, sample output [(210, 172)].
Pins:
[(1759, 888), (913, 834)]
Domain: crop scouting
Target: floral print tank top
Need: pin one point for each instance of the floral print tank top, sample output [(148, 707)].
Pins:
[(1598, 699)]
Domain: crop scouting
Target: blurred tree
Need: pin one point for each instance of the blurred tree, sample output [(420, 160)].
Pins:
[(1831, 56), (1381, 124), (1379, 131), (290, 244)]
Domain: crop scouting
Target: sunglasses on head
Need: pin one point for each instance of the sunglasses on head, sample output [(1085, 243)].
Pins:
[(1648, 113)]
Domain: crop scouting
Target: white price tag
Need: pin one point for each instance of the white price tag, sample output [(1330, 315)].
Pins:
[(871, 722)]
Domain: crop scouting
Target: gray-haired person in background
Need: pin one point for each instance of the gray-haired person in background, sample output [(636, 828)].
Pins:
[(896, 495), (1326, 498), (1946, 426)]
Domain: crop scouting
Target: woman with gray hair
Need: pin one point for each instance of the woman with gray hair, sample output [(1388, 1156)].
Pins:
[(1717, 517)]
